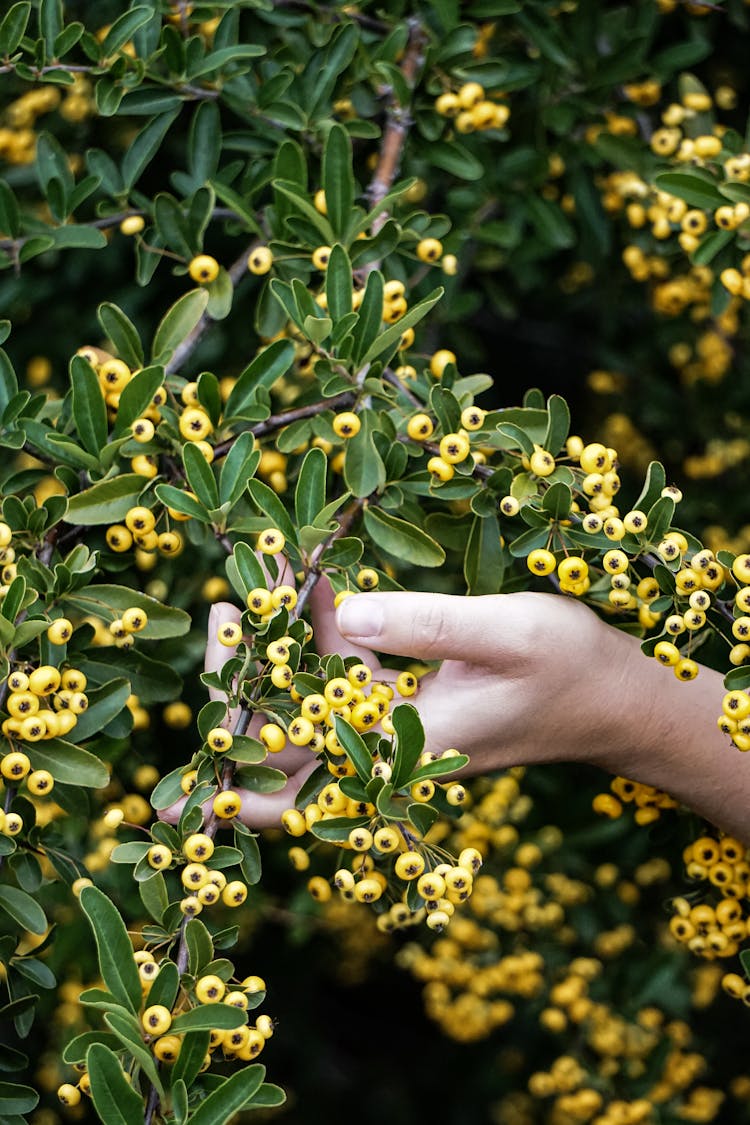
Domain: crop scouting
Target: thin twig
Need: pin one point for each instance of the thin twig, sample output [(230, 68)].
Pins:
[(277, 421)]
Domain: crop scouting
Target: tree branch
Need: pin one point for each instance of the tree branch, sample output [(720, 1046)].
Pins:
[(398, 122)]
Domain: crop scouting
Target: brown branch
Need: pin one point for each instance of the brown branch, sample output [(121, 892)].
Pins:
[(398, 122), (277, 421)]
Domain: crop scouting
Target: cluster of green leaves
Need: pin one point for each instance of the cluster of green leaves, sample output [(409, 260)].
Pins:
[(118, 1050)]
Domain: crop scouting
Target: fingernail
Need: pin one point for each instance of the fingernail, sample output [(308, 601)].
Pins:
[(361, 616)]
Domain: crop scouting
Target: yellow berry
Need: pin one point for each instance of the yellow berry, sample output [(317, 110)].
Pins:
[(203, 269), (346, 425), (227, 804), (60, 631), (260, 260), (429, 250)]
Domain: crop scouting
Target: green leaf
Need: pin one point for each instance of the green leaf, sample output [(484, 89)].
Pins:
[(177, 323), (122, 332), (409, 742), (191, 1057), (68, 764), (456, 159), (269, 1096), (137, 396), (267, 366), (250, 864), (10, 213), (178, 499), (179, 1100), (127, 1028), (238, 467), (557, 500), (72, 236), (231, 1096), (710, 245), (262, 779), (422, 816), (23, 909), (16, 1099), (106, 502), (364, 470), (338, 181), (200, 946), (130, 852), (163, 620), (115, 952), (244, 568), (310, 493), (204, 142), (696, 190), (387, 341), (483, 559), (219, 59), (123, 28), (247, 750), (166, 986), (356, 749), (221, 1016), (200, 475), (12, 31), (558, 426), (439, 768), (141, 151), (402, 539), (89, 411), (105, 703), (656, 479), (154, 896), (75, 1050), (114, 1098), (269, 503), (366, 330), (339, 283), (551, 225)]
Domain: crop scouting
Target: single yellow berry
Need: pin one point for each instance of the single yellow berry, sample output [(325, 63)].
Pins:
[(203, 269), (132, 224), (260, 260)]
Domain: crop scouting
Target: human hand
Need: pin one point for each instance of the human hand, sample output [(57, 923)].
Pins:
[(261, 810)]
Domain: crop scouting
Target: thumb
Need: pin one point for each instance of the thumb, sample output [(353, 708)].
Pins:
[(429, 626)]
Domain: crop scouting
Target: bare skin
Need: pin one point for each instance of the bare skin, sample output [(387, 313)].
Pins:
[(528, 678)]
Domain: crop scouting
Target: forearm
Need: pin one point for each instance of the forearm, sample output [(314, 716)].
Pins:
[(663, 733)]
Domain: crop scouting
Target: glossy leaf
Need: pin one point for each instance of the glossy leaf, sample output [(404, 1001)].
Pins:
[(68, 764), (483, 558), (106, 502), (231, 1096), (115, 952), (106, 600), (114, 1098), (402, 539), (409, 742), (89, 411), (23, 909), (178, 322), (268, 366)]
